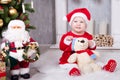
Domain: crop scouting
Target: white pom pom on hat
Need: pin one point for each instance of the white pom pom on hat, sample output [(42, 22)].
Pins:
[(82, 12), (65, 18)]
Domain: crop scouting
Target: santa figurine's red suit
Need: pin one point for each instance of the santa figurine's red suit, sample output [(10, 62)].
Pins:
[(15, 39)]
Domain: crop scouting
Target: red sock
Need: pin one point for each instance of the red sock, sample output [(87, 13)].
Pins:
[(110, 66), (74, 72)]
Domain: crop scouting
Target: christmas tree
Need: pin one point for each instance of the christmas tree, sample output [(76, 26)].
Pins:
[(15, 9)]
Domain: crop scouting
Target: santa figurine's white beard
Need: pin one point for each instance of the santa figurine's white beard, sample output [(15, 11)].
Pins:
[(16, 35)]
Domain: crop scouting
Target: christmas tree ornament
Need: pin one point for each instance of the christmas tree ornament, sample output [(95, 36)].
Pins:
[(12, 11), (1, 10), (5, 1), (19, 1), (1, 22)]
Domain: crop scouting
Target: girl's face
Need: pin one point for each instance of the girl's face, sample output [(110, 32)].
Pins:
[(78, 25)]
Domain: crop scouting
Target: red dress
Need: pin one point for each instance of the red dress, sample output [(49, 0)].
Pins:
[(67, 48)]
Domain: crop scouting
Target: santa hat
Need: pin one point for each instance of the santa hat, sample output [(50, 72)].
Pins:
[(16, 23), (82, 12)]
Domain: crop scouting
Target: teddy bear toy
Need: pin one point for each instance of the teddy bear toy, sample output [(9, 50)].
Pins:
[(84, 57)]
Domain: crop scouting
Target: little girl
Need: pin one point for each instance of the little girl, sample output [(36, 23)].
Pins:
[(78, 20)]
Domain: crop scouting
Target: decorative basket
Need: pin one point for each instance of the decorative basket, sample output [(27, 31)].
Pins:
[(103, 40)]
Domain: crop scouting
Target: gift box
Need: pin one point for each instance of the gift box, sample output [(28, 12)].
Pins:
[(2, 70)]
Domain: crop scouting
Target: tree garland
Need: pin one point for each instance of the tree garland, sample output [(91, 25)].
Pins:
[(33, 47)]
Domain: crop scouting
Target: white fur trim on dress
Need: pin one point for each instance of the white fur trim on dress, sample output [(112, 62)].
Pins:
[(24, 70), (100, 64), (67, 42), (15, 72), (68, 66), (81, 15)]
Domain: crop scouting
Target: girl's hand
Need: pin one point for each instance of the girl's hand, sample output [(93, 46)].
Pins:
[(69, 38), (90, 43)]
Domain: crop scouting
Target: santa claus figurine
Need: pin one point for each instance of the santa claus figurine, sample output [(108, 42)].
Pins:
[(15, 39)]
